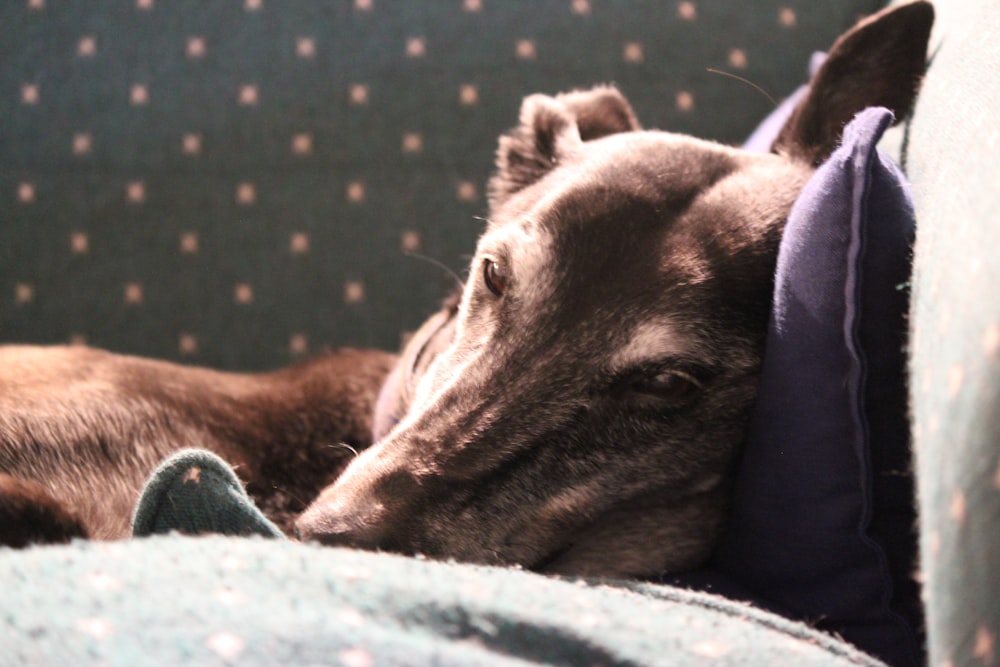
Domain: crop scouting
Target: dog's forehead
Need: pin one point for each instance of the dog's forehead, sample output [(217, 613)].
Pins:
[(644, 222), (636, 180), (659, 168), (669, 162), (646, 195)]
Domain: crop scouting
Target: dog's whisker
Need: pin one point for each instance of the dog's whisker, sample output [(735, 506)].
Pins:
[(288, 492), (441, 265), (747, 82), (346, 446)]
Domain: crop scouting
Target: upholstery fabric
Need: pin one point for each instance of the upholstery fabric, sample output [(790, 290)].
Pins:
[(955, 364), (194, 491), (248, 601), (240, 182)]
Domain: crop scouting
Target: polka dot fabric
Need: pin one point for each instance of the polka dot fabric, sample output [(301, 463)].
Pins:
[(250, 601), (955, 318), (243, 182)]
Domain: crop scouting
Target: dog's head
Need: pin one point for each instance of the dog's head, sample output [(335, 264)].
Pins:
[(579, 408)]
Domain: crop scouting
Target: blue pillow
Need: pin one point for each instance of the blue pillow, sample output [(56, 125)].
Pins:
[(823, 514)]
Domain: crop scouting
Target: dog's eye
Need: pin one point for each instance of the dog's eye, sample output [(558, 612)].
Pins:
[(495, 276), (670, 386)]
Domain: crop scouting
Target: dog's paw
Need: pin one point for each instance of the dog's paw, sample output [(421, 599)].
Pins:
[(29, 515)]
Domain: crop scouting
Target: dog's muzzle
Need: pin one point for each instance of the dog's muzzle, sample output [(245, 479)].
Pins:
[(333, 524), (361, 513), (397, 391)]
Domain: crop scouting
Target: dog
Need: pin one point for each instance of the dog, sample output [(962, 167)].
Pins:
[(577, 408)]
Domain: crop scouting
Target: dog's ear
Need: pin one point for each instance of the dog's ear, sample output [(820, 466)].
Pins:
[(552, 128), (599, 112), (879, 62)]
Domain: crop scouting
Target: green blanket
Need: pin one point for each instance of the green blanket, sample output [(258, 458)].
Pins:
[(170, 599)]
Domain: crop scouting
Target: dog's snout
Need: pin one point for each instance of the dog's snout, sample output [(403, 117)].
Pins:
[(334, 524), (354, 514)]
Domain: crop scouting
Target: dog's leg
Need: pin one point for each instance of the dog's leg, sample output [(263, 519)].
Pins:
[(29, 515)]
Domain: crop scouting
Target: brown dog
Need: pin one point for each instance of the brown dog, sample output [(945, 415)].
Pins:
[(577, 409)]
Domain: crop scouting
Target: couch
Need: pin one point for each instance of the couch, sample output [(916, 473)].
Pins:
[(239, 184)]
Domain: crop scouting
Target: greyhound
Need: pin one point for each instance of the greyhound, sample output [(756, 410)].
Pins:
[(577, 408)]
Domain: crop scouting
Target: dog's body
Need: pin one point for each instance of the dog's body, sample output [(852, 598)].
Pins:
[(578, 409), (87, 427)]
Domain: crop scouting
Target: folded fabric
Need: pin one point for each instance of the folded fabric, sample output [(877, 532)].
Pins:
[(249, 601), (194, 492)]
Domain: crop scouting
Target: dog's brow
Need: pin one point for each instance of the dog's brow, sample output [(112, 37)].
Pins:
[(648, 341), (498, 239)]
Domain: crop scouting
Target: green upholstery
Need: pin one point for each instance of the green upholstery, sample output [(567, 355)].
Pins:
[(195, 491), (239, 182), (955, 366), (247, 601)]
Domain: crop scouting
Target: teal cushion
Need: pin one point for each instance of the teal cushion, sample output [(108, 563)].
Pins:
[(955, 368), (249, 601)]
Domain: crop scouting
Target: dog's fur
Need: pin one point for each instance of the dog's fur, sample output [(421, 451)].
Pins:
[(86, 428), (577, 409)]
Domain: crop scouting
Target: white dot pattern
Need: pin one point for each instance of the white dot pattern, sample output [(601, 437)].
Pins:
[(953, 351), (227, 644), (139, 95), (263, 168), (305, 47)]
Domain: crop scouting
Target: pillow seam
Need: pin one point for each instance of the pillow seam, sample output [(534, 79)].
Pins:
[(858, 378)]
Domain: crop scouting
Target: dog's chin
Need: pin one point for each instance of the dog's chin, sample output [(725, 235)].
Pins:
[(567, 561), (548, 564), (572, 561), (632, 543)]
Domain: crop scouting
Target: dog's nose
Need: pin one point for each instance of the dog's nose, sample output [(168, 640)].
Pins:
[(368, 512), (333, 522)]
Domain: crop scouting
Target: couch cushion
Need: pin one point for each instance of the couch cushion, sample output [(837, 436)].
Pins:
[(248, 601), (954, 140)]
